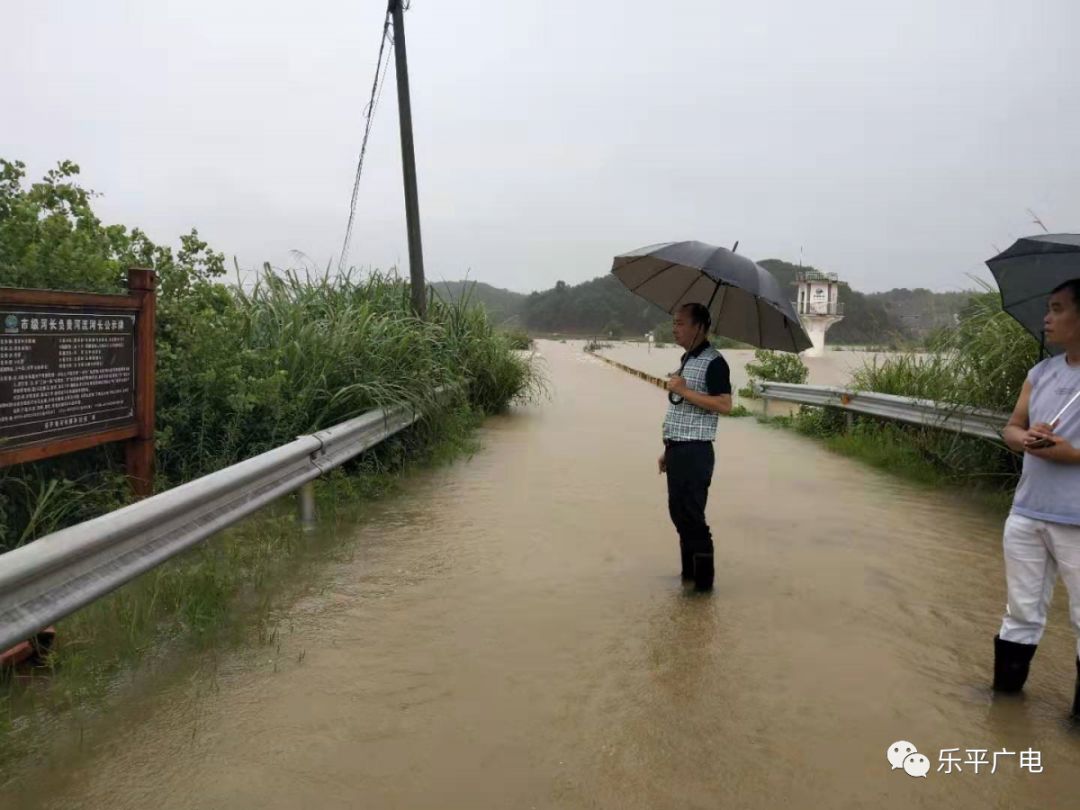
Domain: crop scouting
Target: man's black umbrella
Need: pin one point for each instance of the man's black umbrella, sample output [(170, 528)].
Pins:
[(1029, 270), (746, 302)]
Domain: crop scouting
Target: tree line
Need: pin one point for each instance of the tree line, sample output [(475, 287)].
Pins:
[(603, 306)]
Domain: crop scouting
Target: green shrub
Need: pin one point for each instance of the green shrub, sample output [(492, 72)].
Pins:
[(981, 362), (774, 367), (238, 372), (518, 339)]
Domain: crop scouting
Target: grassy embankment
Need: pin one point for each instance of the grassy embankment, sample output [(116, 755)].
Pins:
[(322, 351), (982, 362), (238, 373)]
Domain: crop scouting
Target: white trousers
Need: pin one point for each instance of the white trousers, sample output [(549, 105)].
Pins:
[(1035, 552)]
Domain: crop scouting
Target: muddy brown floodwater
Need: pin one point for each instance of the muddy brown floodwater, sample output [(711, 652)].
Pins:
[(834, 367), (512, 633)]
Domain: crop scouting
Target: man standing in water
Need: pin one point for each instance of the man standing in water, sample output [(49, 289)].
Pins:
[(697, 393), (1042, 532)]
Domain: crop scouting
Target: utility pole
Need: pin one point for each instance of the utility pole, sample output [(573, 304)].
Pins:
[(408, 164)]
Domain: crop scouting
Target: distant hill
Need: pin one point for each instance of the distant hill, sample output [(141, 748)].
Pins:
[(882, 317), (921, 311), (503, 306), (603, 305), (594, 307), (866, 320)]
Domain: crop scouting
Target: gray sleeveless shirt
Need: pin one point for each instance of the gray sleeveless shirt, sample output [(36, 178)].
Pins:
[(1049, 490)]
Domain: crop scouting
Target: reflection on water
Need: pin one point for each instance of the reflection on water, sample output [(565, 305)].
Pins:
[(513, 633)]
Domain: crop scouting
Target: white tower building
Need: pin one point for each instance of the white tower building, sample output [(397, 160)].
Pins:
[(818, 306)]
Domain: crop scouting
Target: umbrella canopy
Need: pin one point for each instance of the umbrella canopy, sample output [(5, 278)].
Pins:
[(746, 302), (1029, 270)]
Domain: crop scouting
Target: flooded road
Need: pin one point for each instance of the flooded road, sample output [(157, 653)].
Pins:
[(512, 633), (835, 367)]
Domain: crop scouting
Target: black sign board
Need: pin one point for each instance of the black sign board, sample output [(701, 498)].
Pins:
[(64, 373)]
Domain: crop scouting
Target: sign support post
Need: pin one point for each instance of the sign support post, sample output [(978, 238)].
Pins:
[(139, 452)]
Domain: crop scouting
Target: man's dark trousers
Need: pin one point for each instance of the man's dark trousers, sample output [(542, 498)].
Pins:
[(689, 472)]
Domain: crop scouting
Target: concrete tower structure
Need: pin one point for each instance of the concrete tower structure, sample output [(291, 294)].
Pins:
[(818, 306)]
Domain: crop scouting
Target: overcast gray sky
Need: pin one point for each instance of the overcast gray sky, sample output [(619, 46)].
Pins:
[(893, 143)]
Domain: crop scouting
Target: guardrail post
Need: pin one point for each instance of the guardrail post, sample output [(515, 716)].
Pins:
[(765, 407), (849, 421), (307, 506)]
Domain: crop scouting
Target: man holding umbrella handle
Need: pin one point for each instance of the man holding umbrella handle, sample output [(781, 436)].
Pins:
[(676, 384), (705, 288), (1041, 435), (1042, 532), (698, 392)]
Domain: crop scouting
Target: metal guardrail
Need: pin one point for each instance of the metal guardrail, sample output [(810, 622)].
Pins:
[(659, 383), (970, 421), (56, 575), (961, 419)]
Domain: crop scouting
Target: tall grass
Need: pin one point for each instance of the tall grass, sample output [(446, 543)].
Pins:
[(241, 372), (238, 372), (982, 362)]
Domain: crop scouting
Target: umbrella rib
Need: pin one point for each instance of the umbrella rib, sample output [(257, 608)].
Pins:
[(639, 258), (791, 334), (684, 292), (712, 298), (1022, 300), (760, 334), (723, 303), (650, 278)]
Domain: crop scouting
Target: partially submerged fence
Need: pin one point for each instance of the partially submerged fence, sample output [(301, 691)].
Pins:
[(56, 575), (929, 413)]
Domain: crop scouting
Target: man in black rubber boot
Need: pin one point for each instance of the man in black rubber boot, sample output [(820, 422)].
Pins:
[(1042, 533), (687, 561), (703, 572), (689, 470), (697, 393), (1011, 664), (1076, 695)]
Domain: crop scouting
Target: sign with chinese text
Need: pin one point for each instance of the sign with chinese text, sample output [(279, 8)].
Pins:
[(77, 371), (64, 373)]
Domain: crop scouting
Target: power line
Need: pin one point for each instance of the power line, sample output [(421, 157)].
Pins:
[(369, 114)]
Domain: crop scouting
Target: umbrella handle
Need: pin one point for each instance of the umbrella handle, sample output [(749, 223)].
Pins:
[(672, 397)]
